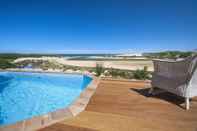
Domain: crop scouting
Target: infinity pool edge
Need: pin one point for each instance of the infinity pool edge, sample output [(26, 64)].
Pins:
[(74, 109)]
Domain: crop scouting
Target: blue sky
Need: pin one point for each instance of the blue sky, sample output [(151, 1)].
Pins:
[(97, 26)]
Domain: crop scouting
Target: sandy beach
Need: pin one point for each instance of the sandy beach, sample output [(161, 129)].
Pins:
[(123, 64)]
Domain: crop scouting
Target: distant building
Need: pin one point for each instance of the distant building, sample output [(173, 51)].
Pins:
[(130, 55)]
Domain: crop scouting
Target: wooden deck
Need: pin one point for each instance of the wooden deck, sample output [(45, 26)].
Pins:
[(126, 106)]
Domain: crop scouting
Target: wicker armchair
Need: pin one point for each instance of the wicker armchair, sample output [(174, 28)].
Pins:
[(177, 77)]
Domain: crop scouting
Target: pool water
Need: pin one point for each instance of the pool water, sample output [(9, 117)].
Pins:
[(24, 95)]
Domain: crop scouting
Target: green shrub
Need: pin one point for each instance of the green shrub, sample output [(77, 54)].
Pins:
[(141, 74), (128, 75), (4, 64), (121, 73), (169, 54), (113, 72), (99, 69), (185, 54)]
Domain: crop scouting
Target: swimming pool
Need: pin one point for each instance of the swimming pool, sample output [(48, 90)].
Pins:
[(25, 95)]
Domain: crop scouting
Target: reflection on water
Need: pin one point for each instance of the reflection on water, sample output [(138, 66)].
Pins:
[(4, 82)]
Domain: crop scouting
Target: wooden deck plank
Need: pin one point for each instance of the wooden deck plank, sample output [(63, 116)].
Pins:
[(126, 106)]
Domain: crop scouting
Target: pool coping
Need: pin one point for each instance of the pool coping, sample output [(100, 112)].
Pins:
[(74, 109)]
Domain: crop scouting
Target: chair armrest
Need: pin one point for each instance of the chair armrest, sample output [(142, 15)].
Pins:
[(164, 60), (170, 60)]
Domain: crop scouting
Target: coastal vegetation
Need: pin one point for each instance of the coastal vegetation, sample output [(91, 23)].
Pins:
[(99, 69), (169, 54), (4, 64), (142, 74), (6, 61)]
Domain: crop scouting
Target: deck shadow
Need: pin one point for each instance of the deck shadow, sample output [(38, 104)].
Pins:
[(166, 96)]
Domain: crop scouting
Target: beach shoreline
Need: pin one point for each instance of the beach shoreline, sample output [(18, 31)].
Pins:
[(116, 64)]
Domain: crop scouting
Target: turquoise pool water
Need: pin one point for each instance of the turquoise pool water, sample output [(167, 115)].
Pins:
[(24, 95)]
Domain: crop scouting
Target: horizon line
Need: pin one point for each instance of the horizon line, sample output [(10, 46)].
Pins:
[(92, 51)]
